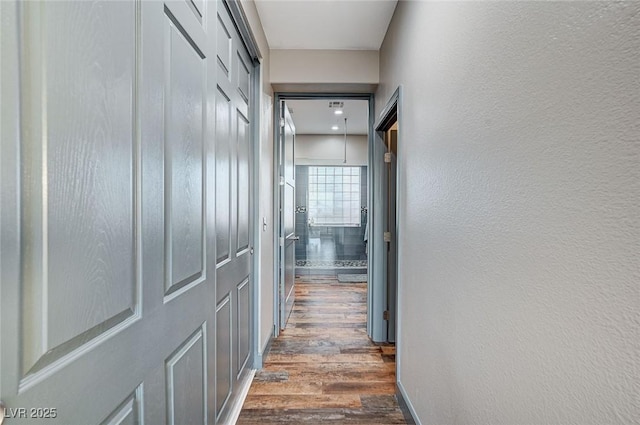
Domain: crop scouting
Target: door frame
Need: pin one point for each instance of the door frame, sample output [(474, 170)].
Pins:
[(392, 112), (277, 145)]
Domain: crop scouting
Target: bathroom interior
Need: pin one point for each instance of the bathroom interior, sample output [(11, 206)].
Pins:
[(331, 172)]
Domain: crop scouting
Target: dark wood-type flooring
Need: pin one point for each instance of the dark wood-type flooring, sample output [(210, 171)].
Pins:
[(323, 369)]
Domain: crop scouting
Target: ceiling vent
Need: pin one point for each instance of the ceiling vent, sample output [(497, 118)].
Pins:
[(335, 104)]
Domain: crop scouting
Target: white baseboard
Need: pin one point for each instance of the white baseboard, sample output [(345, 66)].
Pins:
[(259, 360), (234, 413), (407, 403)]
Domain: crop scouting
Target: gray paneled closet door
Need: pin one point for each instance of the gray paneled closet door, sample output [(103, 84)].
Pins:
[(233, 210), (108, 161)]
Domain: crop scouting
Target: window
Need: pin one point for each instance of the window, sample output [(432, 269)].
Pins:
[(334, 196)]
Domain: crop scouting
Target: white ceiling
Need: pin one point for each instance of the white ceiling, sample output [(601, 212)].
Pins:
[(315, 116), (325, 24)]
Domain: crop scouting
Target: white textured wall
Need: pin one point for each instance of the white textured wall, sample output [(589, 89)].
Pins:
[(519, 160), (328, 149), (265, 157)]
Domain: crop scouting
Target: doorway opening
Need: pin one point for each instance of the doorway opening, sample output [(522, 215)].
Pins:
[(324, 193)]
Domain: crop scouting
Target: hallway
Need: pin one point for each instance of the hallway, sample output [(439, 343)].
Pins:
[(323, 368), (148, 230)]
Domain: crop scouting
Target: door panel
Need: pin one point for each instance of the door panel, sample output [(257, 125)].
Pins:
[(223, 354), (223, 177), (186, 382), (82, 157), (184, 156), (243, 160), (289, 209), (242, 348), (287, 215), (233, 221), (129, 412), (114, 308), (244, 78), (289, 280), (198, 6), (224, 45)]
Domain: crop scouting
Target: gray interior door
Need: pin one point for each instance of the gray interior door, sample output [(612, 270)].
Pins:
[(115, 307), (287, 215), (233, 211), (392, 247)]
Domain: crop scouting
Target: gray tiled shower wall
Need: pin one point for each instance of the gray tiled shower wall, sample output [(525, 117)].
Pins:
[(348, 241)]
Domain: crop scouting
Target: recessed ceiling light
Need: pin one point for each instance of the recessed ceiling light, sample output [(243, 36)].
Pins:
[(338, 112), (335, 127)]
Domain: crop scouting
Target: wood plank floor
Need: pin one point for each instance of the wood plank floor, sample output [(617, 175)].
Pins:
[(323, 369)]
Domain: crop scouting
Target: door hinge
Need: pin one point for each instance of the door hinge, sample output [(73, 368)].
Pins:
[(387, 236), (281, 181), (281, 241), (387, 157), (281, 122), (386, 315)]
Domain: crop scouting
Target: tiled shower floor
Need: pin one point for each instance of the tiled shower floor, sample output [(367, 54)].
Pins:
[(331, 264)]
